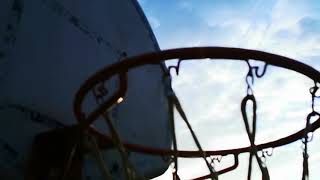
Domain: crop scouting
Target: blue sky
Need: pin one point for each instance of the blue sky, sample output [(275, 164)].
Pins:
[(211, 92), (253, 24)]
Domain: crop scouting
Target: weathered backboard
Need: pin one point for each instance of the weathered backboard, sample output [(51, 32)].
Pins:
[(48, 48)]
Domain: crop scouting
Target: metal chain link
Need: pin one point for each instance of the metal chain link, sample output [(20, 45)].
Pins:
[(306, 139), (93, 145), (176, 102), (174, 139), (252, 133), (253, 70), (130, 172)]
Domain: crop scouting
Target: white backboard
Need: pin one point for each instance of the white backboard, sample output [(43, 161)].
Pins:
[(50, 47)]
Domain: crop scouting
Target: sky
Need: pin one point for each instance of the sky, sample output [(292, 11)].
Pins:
[(211, 91)]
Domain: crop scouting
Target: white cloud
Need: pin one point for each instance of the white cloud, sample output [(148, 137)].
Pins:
[(142, 2), (211, 92), (185, 4), (154, 22)]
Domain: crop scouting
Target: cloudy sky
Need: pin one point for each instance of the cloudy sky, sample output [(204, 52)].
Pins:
[(211, 91)]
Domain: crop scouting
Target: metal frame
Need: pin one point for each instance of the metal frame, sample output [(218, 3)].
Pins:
[(214, 53)]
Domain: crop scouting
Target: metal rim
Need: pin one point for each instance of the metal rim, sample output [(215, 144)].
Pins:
[(214, 53)]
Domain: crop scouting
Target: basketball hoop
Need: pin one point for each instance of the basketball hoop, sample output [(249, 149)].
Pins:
[(121, 68)]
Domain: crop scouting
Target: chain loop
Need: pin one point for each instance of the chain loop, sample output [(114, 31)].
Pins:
[(253, 70), (214, 159), (252, 133), (308, 138), (313, 91), (176, 103), (268, 152), (175, 67)]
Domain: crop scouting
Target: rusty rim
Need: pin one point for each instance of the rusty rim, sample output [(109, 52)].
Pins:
[(215, 53)]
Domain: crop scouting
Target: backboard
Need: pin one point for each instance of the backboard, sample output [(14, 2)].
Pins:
[(49, 47)]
